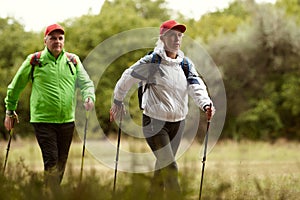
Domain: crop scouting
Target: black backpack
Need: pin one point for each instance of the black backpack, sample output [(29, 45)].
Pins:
[(157, 59), (35, 60)]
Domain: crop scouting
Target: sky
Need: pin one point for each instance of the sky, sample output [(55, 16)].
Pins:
[(37, 14)]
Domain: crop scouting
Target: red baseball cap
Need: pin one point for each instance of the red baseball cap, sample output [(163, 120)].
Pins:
[(54, 27), (171, 24)]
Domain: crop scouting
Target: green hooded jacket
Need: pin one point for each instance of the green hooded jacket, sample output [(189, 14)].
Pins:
[(54, 84)]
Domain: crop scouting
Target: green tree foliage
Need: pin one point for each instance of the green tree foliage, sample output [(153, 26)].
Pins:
[(220, 22), (262, 121), (258, 61), (290, 110), (291, 7), (88, 31), (11, 34)]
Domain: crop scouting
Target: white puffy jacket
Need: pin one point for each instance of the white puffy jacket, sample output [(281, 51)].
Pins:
[(166, 98)]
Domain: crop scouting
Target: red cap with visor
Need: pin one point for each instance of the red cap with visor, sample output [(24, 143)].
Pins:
[(171, 24), (54, 27)]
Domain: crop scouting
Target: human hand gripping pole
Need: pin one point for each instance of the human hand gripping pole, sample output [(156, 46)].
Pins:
[(117, 110), (10, 119), (88, 104), (209, 112)]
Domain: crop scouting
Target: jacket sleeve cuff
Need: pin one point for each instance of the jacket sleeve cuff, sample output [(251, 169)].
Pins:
[(91, 98), (117, 102), (204, 107), (10, 113)]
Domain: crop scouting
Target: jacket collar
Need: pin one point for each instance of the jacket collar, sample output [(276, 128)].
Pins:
[(50, 56), (162, 53)]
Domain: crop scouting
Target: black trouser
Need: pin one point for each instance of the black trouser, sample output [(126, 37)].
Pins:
[(54, 141), (164, 139)]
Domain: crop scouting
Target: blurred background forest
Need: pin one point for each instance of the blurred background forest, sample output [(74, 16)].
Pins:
[(255, 46)]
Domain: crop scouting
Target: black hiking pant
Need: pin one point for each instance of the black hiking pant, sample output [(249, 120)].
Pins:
[(164, 142), (54, 141)]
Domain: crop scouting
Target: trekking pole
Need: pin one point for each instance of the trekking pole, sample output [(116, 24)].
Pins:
[(84, 139), (204, 156), (118, 149), (7, 150)]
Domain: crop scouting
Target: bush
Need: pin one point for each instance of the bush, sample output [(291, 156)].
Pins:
[(260, 122)]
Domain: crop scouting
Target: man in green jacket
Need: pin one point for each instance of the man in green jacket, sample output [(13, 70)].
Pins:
[(53, 101)]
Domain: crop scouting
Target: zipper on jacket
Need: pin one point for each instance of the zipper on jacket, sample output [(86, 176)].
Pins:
[(70, 67)]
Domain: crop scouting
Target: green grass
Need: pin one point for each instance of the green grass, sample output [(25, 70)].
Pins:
[(245, 170), (249, 170)]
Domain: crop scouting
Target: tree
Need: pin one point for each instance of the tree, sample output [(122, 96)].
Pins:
[(254, 60), (220, 22), (291, 8)]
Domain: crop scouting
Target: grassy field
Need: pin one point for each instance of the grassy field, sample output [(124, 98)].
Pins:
[(245, 170)]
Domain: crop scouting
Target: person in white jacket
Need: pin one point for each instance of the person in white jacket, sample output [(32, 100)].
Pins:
[(164, 103)]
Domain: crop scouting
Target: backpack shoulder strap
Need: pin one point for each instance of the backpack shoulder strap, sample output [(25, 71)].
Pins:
[(142, 89), (185, 65), (155, 58), (71, 58), (35, 60), (191, 78)]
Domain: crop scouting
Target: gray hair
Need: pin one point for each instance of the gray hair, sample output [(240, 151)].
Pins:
[(159, 43)]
